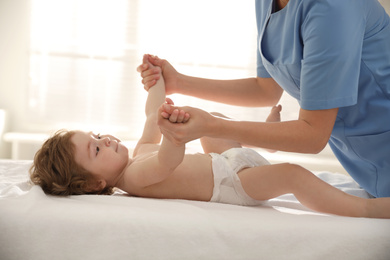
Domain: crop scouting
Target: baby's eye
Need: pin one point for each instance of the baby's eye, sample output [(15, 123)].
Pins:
[(97, 150), (98, 136)]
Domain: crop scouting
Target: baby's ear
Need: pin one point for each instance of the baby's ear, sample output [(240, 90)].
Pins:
[(96, 185)]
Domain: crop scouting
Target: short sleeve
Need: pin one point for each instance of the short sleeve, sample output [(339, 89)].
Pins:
[(261, 6), (332, 35), (261, 71)]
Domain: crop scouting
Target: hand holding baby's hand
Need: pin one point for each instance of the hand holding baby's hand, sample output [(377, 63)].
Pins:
[(174, 115)]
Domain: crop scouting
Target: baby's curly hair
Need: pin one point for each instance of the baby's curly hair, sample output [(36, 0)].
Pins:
[(56, 171)]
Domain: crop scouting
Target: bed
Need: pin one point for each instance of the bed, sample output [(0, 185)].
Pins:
[(37, 226)]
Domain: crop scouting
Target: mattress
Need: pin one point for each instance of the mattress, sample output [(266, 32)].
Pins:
[(34, 225)]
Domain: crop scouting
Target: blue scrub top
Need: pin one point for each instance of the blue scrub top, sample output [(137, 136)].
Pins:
[(336, 53)]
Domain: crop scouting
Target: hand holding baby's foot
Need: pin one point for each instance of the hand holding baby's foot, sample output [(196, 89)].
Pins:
[(274, 115), (173, 114)]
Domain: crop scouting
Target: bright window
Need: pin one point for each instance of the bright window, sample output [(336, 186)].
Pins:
[(84, 55)]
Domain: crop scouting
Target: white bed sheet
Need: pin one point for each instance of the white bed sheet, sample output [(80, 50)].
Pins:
[(37, 226)]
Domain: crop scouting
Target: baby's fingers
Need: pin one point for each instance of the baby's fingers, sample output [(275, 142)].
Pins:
[(162, 110), (186, 117), (165, 115), (169, 101), (179, 116), (174, 116)]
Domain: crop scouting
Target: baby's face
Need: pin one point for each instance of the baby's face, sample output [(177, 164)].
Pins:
[(104, 156)]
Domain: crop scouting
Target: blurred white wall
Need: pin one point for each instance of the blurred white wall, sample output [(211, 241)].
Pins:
[(14, 17), (14, 62)]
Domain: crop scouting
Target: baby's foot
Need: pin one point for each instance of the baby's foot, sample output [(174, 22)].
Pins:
[(274, 115), (378, 208)]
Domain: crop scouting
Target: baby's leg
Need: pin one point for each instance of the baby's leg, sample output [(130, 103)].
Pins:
[(274, 116), (269, 181), (217, 145)]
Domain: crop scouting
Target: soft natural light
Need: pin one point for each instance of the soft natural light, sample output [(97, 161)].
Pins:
[(216, 33), (84, 54), (91, 27)]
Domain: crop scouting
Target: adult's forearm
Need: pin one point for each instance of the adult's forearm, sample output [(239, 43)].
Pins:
[(290, 136), (250, 92)]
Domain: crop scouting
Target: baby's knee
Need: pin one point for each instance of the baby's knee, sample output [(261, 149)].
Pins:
[(295, 168)]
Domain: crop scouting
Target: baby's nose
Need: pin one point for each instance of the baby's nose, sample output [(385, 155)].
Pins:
[(106, 141)]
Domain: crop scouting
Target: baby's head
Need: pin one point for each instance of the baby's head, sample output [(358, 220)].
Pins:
[(56, 171)]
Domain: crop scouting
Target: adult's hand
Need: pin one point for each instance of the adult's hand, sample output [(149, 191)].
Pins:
[(173, 115), (199, 124), (151, 75)]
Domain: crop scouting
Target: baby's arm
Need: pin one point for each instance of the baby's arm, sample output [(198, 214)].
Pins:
[(171, 154), (151, 135), (157, 167)]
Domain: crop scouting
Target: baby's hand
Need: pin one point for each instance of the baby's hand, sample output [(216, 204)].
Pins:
[(173, 114)]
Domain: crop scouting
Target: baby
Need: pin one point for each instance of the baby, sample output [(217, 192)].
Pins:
[(76, 162)]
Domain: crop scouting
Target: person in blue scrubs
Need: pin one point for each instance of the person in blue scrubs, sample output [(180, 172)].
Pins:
[(333, 56)]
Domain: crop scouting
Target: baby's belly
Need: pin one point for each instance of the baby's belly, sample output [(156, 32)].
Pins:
[(193, 180)]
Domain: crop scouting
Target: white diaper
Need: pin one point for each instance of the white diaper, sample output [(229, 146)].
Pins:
[(227, 184)]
